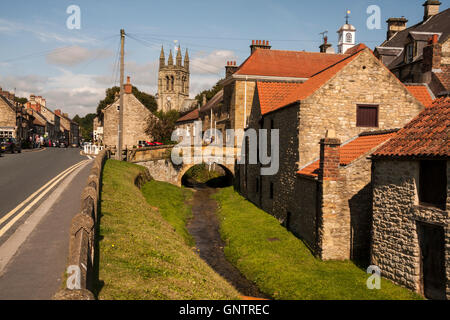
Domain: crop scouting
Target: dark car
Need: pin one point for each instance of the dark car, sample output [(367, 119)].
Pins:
[(10, 145)]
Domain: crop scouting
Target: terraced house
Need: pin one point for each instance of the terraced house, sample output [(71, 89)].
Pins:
[(329, 124), (411, 201), (420, 53)]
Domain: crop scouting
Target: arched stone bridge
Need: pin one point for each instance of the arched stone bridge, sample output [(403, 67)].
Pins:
[(159, 162)]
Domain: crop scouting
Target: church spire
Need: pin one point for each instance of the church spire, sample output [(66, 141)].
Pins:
[(162, 58), (170, 62), (186, 60), (179, 57)]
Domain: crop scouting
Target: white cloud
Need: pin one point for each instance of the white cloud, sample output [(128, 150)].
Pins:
[(80, 93), (211, 63), (74, 55)]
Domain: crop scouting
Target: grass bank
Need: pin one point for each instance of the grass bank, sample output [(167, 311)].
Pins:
[(141, 256), (171, 202), (285, 269)]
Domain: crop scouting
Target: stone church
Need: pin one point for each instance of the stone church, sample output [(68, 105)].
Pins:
[(173, 83)]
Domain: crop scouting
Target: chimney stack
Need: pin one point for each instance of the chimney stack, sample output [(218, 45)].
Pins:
[(395, 25), (259, 44), (326, 47), (431, 9), (230, 68), (128, 87), (432, 54), (329, 157), (58, 112)]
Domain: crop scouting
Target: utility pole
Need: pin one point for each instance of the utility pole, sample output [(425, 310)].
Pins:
[(122, 70)]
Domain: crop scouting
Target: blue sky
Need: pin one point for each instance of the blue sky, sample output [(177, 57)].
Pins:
[(72, 68)]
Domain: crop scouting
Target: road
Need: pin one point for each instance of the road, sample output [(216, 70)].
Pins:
[(39, 195)]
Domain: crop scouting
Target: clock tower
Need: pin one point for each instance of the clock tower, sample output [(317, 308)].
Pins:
[(347, 36), (173, 81)]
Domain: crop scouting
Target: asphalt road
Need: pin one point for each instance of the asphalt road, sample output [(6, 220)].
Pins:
[(22, 174), (34, 240)]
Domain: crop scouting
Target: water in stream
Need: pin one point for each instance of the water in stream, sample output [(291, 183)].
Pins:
[(204, 228)]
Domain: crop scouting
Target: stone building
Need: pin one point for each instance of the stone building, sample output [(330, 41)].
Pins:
[(411, 201), (173, 83), (14, 119), (97, 131), (69, 131), (8, 124), (265, 64), (362, 102), (420, 53), (135, 120)]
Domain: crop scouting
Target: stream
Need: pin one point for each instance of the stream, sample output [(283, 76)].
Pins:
[(204, 228)]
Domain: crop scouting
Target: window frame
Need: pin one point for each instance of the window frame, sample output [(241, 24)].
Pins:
[(374, 106)]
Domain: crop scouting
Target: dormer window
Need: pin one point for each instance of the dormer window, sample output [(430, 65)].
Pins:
[(410, 52)]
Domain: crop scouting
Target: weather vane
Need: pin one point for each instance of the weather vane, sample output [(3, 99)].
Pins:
[(347, 16)]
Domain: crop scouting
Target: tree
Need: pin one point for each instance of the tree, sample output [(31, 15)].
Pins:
[(86, 124), (162, 126), (146, 99), (209, 93), (21, 101)]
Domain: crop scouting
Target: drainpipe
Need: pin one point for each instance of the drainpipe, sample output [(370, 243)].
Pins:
[(245, 103)]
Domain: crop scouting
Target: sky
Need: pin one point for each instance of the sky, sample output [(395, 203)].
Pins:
[(72, 68)]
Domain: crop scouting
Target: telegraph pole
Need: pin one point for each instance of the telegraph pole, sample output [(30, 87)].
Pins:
[(122, 70)]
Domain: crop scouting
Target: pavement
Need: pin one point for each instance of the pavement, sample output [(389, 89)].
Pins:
[(39, 195)]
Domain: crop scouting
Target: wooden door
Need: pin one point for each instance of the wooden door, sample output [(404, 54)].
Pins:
[(432, 250)]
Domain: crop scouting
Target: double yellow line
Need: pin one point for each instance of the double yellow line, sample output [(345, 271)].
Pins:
[(34, 198)]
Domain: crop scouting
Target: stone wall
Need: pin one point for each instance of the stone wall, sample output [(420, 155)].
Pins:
[(304, 211), (135, 116), (395, 245), (7, 115), (363, 81)]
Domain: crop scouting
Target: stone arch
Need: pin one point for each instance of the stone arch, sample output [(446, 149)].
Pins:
[(229, 169)]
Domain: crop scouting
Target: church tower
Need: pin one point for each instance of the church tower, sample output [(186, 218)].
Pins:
[(347, 36), (173, 81)]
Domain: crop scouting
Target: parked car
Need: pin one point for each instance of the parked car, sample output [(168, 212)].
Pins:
[(10, 145)]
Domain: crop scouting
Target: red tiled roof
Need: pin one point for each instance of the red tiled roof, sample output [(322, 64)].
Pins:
[(193, 115), (421, 93), (351, 151), (427, 135), (299, 91), (271, 94), (280, 63), (355, 49)]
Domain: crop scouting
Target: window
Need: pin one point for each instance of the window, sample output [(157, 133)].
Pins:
[(410, 52), (433, 183), (367, 116), (349, 38)]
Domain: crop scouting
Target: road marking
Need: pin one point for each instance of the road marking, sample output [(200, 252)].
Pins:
[(7, 216), (49, 186), (9, 248)]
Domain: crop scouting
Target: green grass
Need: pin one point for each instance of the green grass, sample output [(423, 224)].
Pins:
[(172, 204), (141, 256), (286, 269)]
